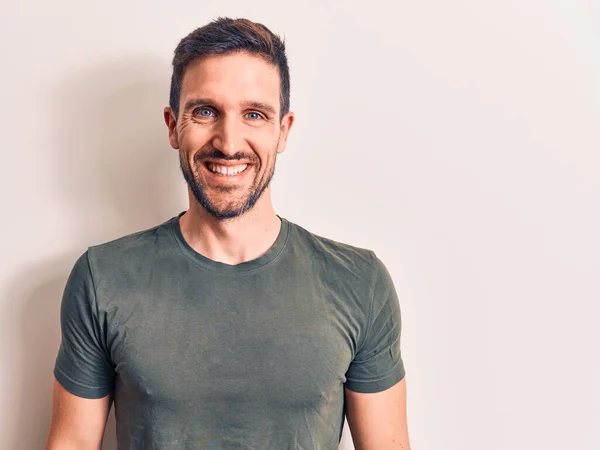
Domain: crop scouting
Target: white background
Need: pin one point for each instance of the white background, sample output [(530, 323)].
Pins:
[(459, 140)]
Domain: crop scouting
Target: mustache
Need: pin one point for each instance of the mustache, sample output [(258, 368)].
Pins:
[(217, 154)]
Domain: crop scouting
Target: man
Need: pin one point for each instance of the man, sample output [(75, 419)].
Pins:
[(229, 327)]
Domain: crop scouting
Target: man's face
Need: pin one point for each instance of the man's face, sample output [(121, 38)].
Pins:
[(228, 131)]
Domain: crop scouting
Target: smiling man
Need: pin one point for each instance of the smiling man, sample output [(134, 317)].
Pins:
[(228, 326)]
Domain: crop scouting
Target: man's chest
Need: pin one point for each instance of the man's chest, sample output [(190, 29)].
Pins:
[(273, 346)]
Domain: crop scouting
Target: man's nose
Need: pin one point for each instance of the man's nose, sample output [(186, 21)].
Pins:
[(228, 137)]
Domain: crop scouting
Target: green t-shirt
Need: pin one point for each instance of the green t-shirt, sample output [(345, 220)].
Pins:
[(205, 355)]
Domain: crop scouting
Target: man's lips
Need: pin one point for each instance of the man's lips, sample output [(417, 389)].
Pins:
[(226, 163), (226, 171)]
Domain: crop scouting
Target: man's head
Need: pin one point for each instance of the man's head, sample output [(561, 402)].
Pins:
[(229, 112)]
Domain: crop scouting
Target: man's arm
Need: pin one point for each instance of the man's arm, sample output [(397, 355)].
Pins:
[(378, 420), (77, 423)]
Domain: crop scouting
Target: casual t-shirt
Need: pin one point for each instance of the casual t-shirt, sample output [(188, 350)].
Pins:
[(205, 355)]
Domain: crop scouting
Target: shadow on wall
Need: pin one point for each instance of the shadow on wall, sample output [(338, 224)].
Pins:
[(115, 174)]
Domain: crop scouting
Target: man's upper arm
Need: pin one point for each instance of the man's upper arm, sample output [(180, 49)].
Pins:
[(377, 420), (83, 364), (377, 364), (77, 423), (83, 371), (375, 388)]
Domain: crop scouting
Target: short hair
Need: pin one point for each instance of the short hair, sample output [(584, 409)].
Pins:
[(224, 36)]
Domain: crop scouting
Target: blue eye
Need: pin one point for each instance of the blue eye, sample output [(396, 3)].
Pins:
[(254, 116), (203, 112)]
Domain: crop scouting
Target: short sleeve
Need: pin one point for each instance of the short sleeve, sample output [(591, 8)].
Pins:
[(83, 365), (378, 363)]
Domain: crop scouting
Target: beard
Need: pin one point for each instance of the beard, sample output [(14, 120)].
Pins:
[(226, 210)]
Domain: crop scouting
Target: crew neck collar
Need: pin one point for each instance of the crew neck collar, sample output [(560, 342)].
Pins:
[(216, 266)]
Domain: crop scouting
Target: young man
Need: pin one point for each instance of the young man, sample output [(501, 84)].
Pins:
[(229, 327)]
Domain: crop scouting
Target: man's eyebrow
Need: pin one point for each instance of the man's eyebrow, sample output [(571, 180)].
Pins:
[(192, 103), (261, 106)]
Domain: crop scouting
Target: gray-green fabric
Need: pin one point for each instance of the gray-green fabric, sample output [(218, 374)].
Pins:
[(205, 355)]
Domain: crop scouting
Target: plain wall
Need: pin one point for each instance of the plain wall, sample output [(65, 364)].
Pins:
[(459, 140)]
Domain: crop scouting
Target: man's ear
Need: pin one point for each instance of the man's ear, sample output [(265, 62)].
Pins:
[(171, 122), (284, 131)]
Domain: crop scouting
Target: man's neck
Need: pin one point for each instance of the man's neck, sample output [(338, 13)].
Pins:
[(232, 241)]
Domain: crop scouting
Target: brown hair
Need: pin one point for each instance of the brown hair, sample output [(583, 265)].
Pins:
[(225, 35)]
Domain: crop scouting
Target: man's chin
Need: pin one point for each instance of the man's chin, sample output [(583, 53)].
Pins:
[(225, 212), (225, 205)]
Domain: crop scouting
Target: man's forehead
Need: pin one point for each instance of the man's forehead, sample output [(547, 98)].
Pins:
[(233, 74)]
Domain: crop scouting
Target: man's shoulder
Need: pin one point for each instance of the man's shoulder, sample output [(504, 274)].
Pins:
[(336, 253), (139, 245)]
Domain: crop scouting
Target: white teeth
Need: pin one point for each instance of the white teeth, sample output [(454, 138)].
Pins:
[(222, 170)]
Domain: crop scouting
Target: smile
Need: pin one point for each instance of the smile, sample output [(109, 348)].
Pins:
[(226, 170)]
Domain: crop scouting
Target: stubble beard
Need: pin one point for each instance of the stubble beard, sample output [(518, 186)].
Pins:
[(255, 191)]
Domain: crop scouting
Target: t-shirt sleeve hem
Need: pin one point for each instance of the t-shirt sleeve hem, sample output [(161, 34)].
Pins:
[(372, 386), (79, 390)]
